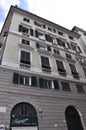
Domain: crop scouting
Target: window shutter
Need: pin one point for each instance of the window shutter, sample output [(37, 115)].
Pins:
[(65, 86), (44, 26), (80, 88), (26, 80), (15, 78), (48, 48), (45, 62), (56, 85), (37, 45), (31, 32), (23, 41), (21, 79), (41, 83), (20, 28), (79, 49), (73, 69), (68, 55), (25, 57), (68, 45), (84, 69), (59, 41), (36, 33), (48, 38), (60, 66), (34, 81)]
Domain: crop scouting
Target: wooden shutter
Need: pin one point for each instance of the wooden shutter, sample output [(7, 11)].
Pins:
[(80, 88), (31, 32), (65, 86), (20, 28), (56, 85), (41, 83), (45, 62), (15, 78), (48, 48), (60, 66), (25, 57), (73, 69), (34, 81)]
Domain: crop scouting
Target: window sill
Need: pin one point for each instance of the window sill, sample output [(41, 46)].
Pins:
[(46, 70), (25, 46), (62, 73), (58, 56), (25, 66), (44, 51)]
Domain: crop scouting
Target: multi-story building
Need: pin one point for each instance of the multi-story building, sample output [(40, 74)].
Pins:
[(42, 76), (82, 38)]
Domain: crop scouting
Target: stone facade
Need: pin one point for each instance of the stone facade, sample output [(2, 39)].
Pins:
[(48, 88)]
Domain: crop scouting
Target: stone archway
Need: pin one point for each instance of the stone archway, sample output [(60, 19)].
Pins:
[(73, 119), (23, 117)]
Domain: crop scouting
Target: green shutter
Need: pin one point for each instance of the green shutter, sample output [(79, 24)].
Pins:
[(25, 57), (45, 62), (65, 86), (31, 32), (15, 78), (60, 66), (20, 28), (73, 69), (41, 83), (56, 85), (34, 81)]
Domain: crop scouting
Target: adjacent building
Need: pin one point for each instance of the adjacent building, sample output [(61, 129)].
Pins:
[(42, 75)]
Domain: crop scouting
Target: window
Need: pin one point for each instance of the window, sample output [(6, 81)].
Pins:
[(60, 33), (34, 81), (20, 79), (54, 30), (80, 88), (39, 35), (25, 57), (73, 47), (60, 67), (74, 71), (48, 38), (22, 115), (31, 32), (50, 29), (60, 42), (78, 49), (84, 69), (68, 55), (73, 119), (84, 34), (45, 62), (5, 34), (26, 20), (56, 52), (65, 86), (26, 42), (43, 47), (68, 45), (44, 83), (70, 37), (56, 84), (23, 29)]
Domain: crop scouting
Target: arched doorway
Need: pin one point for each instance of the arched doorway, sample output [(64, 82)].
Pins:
[(24, 117), (73, 119)]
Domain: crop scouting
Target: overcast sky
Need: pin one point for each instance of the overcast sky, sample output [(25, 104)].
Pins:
[(67, 13)]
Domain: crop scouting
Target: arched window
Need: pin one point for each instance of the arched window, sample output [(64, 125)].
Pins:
[(23, 114), (73, 119)]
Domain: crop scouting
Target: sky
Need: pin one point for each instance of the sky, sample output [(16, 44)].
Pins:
[(67, 13)]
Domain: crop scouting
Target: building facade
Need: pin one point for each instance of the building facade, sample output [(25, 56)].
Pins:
[(42, 79)]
